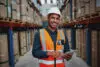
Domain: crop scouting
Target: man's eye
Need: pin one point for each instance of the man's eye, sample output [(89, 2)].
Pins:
[(52, 17), (57, 18)]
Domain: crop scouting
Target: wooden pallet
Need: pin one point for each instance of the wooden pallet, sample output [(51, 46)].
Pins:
[(10, 20)]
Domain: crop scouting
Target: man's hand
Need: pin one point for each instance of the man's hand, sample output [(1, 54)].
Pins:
[(57, 54), (67, 56), (54, 54)]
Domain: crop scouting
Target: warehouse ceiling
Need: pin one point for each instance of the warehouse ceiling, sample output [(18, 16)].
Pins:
[(42, 6)]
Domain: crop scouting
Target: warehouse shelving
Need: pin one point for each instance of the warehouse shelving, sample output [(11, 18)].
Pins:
[(11, 26), (87, 24)]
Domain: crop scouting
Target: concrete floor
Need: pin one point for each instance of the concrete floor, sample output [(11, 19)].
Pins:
[(28, 61)]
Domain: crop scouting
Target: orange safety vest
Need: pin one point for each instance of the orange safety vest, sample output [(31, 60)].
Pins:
[(48, 45)]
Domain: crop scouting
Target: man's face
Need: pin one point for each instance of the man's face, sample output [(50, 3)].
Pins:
[(54, 20)]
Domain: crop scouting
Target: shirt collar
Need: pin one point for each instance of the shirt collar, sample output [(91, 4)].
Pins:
[(51, 32)]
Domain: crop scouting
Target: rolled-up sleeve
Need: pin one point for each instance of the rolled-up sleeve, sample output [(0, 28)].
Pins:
[(36, 50)]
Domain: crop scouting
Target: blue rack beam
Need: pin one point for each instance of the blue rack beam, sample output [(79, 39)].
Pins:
[(11, 50), (73, 38), (70, 9), (88, 46)]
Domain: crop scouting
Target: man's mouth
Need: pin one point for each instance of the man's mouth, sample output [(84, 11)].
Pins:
[(54, 24)]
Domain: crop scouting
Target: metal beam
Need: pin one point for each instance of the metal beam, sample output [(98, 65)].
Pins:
[(11, 50), (88, 46)]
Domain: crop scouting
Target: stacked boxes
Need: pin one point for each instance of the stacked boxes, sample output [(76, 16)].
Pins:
[(24, 10), (3, 12), (87, 12), (4, 58), (5, 5), (92, 6), (95, 42), (73, 9), (9, 8), (22, 39), (81, 43), (16, 46), (30, 15), (78, 42), (81, 9), (14, 10), (78, 10), (32, 32), (28, 41), (68, 32), (19, 10), (94, 48)]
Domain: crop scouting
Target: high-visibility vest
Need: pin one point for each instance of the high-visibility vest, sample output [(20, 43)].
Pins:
[(48, 45)]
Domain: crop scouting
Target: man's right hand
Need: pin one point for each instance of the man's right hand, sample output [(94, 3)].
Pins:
[(54, 54), (50, 53)]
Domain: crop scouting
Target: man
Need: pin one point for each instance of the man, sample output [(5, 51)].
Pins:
[(50, 44)]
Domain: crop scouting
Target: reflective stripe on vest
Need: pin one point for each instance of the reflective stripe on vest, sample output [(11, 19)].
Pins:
[(43, 39), (61, 34), (58, 50), (50, 62)]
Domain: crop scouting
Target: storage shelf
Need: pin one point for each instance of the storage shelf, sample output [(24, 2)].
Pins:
[(95, 20), (13, 24)]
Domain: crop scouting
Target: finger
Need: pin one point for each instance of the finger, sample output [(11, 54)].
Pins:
[(68, 56)]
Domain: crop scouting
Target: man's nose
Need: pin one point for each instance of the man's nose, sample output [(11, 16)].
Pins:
[(55, 20)]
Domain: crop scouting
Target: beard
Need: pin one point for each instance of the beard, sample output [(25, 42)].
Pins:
[(53, 25)]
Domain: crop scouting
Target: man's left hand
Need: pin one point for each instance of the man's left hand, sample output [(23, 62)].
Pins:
[(67, 56)]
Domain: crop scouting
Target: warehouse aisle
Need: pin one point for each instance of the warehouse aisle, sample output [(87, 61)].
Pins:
[(20, 19), (28, 61)]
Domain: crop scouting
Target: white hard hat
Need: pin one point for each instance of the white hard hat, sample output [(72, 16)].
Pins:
[(54, 10)]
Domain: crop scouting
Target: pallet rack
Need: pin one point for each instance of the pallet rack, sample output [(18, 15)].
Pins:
[(10, 26), (89, 24)]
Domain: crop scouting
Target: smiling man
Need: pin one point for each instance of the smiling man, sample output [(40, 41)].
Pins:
[(50, 44)]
